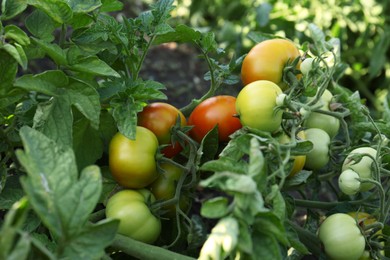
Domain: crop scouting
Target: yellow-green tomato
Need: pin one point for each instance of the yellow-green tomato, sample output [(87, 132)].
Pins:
[(349, 182), (318, 157), (135, 218), (132, 162), (328, 123), (363, 167), (256, 103), (341, 237)]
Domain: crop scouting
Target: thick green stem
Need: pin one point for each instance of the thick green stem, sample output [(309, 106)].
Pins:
[(145, 251)]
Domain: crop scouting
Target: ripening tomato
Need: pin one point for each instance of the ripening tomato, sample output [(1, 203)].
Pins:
[(159, 118), (132, 162), (217, 110), (318, 157), (135, 218), (266, 61), (256, 106)]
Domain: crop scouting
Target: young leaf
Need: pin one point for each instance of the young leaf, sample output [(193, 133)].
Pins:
[(125, 115), (12, 32), (95, 66), (111, 6), (53, 51), (215, 207), (16, 52), (84, 6)]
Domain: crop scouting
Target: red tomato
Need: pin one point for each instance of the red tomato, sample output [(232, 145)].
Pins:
[(159, 118), (218, 110)]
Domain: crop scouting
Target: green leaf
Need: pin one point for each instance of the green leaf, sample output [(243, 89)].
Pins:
[(111, 6), (87, 143), (86, 245), (378, 57), (58, 10), (215, 207), (125, 115), (94, 66), (209, 145), (47, 82), (225, 164), (51, 172), (22, 248), (262, 14), (265, 247), (11, 193), (260, 36), (182, 34), (8, 70), (86, 99), (11, 8), (256, 168), (84, 6), (47, 115), (53, 51), (230, 182), (17, 52), (12, 32), (270, 225), (41, 25)]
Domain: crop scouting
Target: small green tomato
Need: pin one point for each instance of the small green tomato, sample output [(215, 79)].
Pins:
[(349, 182)]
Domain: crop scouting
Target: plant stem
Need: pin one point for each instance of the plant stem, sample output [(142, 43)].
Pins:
[(145, 251)]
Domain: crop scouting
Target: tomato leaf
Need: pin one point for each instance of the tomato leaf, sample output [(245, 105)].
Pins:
[(215, 208), (262, 14), (378, 57), (111, 6), (58, 10), (11, 8), (47, 82), (12, 32), (8, 70), (182, 34), (11, 192), (53, 51), (95, 66), (41, 25), (17, 52), (84, 6)]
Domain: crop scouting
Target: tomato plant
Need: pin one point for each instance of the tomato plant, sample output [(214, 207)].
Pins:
[(256, 106), (318, 157), (341, 237), (135, 218), (215, 111), (132, 162), (328, 123), (159, 118), (267, 59)]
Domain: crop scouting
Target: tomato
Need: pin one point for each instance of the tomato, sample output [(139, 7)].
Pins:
[(341, 237), (318, 157), (217, 110), (159, 118), (164, 188), (348, 182), (299, 160), (132, 162), (328, 123), (136, 220), (256, 105), (363, 167), (266, 61)]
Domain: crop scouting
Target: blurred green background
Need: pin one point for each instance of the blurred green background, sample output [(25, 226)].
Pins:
[(363, 28)]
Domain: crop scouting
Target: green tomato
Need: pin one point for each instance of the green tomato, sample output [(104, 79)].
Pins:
[(348, 182), (135, 218), (328, 123), (164, 188), (132, 162), (341, 237), (363, 167), (256, 105), (318, 157)]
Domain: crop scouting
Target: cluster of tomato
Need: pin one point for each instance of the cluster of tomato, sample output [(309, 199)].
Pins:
[(259, 105)]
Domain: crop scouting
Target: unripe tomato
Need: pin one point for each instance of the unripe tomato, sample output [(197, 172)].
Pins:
[(159, 118), (132, 162), (266, 61), (299, 160), (341, 237), (164, 187), (306, 66), (256, 105), (217, 110), (328, 123), (348, 182), (363, 167), (135, 218), (318, 157)]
